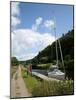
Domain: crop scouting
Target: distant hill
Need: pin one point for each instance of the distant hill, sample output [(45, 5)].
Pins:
[(49, 54)]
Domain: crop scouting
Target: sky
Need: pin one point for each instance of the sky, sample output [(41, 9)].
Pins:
[(32, 26)]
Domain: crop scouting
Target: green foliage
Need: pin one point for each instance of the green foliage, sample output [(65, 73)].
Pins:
[(14, 61), (53, 88), (30, 81), (65, 87), (41, 66), (67, 57), (69, 64), (69, 68), (44, 66)]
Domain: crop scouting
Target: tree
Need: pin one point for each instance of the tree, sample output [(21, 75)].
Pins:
[(63, 35), (14, 61), (67, 57)]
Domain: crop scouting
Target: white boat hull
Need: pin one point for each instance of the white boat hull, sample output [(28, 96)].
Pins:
[(56, 74), (60, 77)]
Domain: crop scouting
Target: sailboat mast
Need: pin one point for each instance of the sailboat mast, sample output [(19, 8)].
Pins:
[(56, 42), (61, 55)]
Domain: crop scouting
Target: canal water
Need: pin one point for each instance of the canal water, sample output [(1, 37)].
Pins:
[(44, 72)]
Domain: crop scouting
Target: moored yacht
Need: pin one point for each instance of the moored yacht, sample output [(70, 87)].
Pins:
[(54, 72)]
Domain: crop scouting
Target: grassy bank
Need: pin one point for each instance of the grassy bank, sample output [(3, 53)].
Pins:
[(53, 88), (30, 81), (43, 88)]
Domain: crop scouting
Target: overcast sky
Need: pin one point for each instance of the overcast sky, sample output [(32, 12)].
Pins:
[(32, 26)]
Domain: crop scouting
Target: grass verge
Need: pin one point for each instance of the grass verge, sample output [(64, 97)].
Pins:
[(30, 81), (48, 88), (53, 88)]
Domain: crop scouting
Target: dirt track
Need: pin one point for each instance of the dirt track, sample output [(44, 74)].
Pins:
[(18, 87)]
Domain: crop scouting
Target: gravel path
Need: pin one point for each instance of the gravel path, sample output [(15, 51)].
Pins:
[(18, 87)]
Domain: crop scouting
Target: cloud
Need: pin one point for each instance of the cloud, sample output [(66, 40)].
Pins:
[(27, 56), (37, 23), (49, 24), (14, 21), (15, 12), (15, 8), (27, 43)]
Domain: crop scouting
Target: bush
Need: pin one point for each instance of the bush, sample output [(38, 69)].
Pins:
[(65, 87), (67, 57), (69, 68), (14, 61), (53, 88), (41, 66), (69, 64)]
